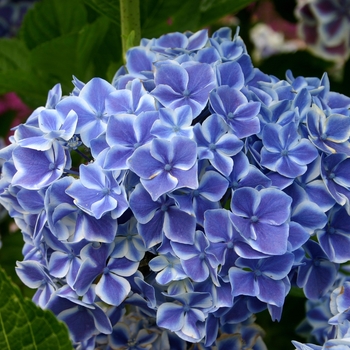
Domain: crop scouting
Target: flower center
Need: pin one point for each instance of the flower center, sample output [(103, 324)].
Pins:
[(167, 167), (254, 219), (186, 93)]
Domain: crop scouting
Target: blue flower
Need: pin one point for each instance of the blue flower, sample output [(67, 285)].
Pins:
[(84, 318), (335, 175), (168, 268), (161, 217), (262, 278), (183, 84), (166, 165), (90, 107), (35, 275), (125, 133), (112, 288), (132, 100), (197, 260), (215, 143), (173, 122), (97, 192), (285, 151), (38, 169), (329, 133), (186, 316), (334, 238), (317, 274), (261, 218), (234, 108)]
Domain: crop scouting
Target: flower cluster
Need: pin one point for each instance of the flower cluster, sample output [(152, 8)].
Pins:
[(324, 25), (172, 205)]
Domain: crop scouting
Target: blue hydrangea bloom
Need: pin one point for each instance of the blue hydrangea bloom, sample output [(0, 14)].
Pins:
[(261, 218), (190, 84), (169, 207), (165, 165)]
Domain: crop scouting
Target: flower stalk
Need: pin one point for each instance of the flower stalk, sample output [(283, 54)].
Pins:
[(130, 24)]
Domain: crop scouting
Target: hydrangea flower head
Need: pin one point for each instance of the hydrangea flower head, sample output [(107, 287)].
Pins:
[(167, 208)]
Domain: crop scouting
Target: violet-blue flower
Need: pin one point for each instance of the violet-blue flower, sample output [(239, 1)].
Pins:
[(38, 169), (262, 278), (261, 218), (165, 165), (234, 108), (186, 316), (215, 143), (90, 107), (183, 84), (285, 151), (98, 192), (125, 133)]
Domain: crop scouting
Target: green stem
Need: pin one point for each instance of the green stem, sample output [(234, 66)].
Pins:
[(130, 24)]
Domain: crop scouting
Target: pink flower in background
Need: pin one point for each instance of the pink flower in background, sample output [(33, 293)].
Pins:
[(11, 104)]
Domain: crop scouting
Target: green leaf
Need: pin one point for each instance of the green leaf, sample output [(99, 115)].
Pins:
[(160, 17), (212, 10), (28, 85), (25, 326), (62, 57), (13, 55), (49, 19), (108, 8)]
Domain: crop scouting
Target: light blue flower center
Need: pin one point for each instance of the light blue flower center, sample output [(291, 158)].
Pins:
[(230, 245), (212, 146), (51, 166), (105, 270), (105, 191), (324, 136), (96, 245), (167, 167), (284, 153), (164, 207), (257, 273), (331, 176), (254, 219), (230, 115), (186, 93), (331, 230), (186, 308)]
